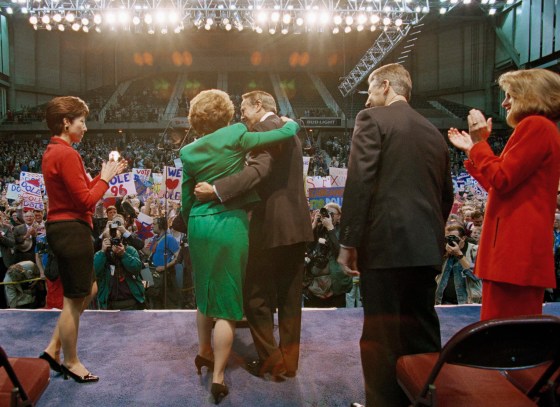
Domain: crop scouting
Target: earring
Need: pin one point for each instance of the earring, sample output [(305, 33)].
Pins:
[(66, 128)]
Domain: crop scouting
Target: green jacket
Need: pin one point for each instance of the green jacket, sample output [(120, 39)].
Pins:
[(219, 155), (132, 265)]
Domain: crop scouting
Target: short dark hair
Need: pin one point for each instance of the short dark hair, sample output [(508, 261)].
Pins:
[(64, 107), (456, 227)]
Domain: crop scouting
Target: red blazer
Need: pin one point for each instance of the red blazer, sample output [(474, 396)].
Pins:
[(516, 242)]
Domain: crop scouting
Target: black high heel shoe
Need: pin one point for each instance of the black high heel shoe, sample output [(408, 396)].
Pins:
[(200, 361), (89, 378), (55, 366), (219, 391)]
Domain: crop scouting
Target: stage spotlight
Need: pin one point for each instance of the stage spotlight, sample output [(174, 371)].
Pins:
[(335, 30), (225, 21), (442, 10), (46, 19), (259, 30), (209, 21), (57, 18), (374, 19), (349, 20), (398, 22), (97, 19), (164, 30), (311, 17), (98, 29), (207, 27), (61, 27), (272, 30), (33, 20), (135, 20), (284, 31), (347, 29), (386, 21), (177, 30), (123, 17), (35, 27), (70, 17), (9, 10), (173, 17), (324, 18), (286, 19), (110, 18), (362, 19), (48, 27), (373, 28), (337, 19), (85, 21), (85, 29), (148, 18), (275, 17), (160, 17), (299, 21), (75, 26), (492, 11), (227, 27), (360, 28), (24, 10), (262, 17)]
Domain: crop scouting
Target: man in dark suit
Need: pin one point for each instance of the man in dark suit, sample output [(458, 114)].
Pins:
[(398, 195), (7, 243), (25, 236), (279, 229)]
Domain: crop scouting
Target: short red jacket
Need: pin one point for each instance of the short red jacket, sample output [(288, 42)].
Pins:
[(516, 243), (72, 195)]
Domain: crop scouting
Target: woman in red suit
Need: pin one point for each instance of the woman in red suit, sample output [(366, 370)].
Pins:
[(515, 258)]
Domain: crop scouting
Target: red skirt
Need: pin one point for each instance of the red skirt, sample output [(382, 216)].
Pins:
[(503, 300)]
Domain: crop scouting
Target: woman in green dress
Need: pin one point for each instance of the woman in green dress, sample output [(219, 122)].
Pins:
[(218, 232)]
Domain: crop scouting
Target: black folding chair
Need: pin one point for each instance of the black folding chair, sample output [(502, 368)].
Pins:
[(469, 369), (22, 380)]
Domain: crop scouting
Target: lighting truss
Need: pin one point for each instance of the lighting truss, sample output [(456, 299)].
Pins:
[(262, 16)]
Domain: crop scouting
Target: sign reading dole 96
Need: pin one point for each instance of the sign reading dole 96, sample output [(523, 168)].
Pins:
[(121, 185)]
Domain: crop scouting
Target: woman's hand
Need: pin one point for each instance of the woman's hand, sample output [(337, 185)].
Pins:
[(479, 127), (112, 168), (286, 119), (461, 140)]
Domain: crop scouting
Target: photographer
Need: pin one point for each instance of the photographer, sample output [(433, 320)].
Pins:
[(117, 268), (325, 285), (452, 283)]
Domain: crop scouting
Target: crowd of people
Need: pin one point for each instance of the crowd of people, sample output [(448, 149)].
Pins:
[(405, 242)]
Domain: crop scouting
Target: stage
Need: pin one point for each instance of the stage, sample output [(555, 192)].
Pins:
[(146, 358)]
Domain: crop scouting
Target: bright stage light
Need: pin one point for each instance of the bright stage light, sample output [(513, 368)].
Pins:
[(70, 17), (76, 26), (110, 18), (135, 20), (335, 30), (148, 19), (45, 19), (61, 27), (374, 19), (33, 20), (57, 18), (97, 19), (286, 18), (275, 17), (349, 20), (347, 29), (337, 19), (386, 21), (262, 17), (362, 19)]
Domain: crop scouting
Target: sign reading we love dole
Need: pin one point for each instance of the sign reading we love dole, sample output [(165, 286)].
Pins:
[(121, 185), (171, 187)]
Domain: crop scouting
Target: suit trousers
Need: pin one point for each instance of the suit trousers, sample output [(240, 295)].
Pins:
[(399, 319), (274, 277)]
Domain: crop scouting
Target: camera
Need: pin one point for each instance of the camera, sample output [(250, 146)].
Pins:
[(115, 241), (319, 257), (324, 213), (185, 241), (452, 240), (115, 224)]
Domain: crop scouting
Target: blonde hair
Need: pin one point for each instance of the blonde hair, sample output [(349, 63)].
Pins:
[(210, 110), (535, 92), (267, 101), (334, 205), (397, 76)]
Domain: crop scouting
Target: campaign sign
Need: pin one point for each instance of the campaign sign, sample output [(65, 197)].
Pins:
[(143, 173), (318, 182), (121, 185), (13, 191), (172, 185), (319, 197), (30, 187), (31, 201), (306, 161), (31, 176), (338, 176), (158, 180), (144, 226)]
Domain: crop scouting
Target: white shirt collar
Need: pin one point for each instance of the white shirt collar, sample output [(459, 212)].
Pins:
[(265, 116)]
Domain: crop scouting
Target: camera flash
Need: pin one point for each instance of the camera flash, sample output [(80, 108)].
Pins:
[(114, 156)]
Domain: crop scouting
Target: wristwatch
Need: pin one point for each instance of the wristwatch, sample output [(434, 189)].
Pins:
[(460, 257)]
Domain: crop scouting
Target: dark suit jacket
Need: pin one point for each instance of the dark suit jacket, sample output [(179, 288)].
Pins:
[(282, 217), (19, 233), (398, 192), (7, 243)]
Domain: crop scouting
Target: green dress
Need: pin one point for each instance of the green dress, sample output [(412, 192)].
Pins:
[(218, 232)]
